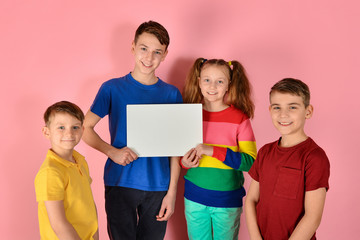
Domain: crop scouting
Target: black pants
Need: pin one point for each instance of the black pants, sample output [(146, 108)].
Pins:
[(131, 213)]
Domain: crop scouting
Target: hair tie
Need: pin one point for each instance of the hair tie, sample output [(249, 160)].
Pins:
[(203, 61), (230, 63)]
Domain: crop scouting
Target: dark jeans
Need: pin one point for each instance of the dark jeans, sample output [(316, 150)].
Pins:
[(131, 213)]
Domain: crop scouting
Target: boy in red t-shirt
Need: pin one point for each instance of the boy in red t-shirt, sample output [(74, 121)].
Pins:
[(291, 175)]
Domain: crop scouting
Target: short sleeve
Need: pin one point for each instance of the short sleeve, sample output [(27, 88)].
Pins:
[(86, 167), (179, 98), (101, 104), (254, 170), (49, 185), (317, 170)]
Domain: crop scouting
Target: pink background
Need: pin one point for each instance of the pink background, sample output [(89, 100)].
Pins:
[(64, 50)]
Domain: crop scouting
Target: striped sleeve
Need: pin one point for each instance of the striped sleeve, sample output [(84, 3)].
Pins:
[(243, 158)]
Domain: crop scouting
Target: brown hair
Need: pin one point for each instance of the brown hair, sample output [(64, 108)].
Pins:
[(66, 107), (156, 29), (239, 92), (293, 86)]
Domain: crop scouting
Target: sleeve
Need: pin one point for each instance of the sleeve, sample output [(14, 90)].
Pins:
[(317, 170), (244, 158), (86, 166), (101, 104), (178, 97), (255, 168), (49, 185)]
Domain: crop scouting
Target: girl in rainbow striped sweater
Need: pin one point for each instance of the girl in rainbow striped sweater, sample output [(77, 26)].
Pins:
[(214, 179)]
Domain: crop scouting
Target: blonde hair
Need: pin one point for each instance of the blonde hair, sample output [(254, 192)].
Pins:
[(239, 92)]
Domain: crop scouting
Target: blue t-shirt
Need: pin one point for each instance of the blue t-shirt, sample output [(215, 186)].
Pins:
[(145, 173)]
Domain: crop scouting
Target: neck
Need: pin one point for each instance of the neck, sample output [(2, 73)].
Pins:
[(146, 79), (65, 154), (214, 106), (290, 141)]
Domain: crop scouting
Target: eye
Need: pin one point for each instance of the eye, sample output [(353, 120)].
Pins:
[(293, 107), (143, 49), (220, 81), (61, 127), (206, 80), (76, 127), (275, 108), (158, 53)]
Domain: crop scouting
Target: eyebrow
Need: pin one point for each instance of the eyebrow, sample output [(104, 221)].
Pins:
[(159, 49), (277, 104)]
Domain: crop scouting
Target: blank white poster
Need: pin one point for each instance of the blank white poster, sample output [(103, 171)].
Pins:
[(163, 129)]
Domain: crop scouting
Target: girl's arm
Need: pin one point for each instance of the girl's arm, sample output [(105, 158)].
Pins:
[(241, 161), (252, 198), (245, 154), (314, 206), (58, 221), (190, 159)]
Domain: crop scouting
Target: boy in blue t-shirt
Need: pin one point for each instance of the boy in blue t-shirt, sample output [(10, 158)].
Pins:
[(139, 192)]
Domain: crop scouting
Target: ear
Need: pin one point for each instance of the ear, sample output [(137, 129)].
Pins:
[(164, 55), (46, 132), (309, 112), (133, 47)]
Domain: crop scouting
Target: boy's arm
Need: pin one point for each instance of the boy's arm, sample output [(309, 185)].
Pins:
[(62, 228), (314, 206), (168, 203), (96, 235), (121, 156), (252, 198)]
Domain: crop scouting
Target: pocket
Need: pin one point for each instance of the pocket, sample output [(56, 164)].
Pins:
[(287, 184)]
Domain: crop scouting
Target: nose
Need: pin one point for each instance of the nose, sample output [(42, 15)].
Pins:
[(212, 84), (69, 132), (149, 56), (284, 113)]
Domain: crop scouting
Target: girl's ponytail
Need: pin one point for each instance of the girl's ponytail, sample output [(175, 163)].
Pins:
[(239, 93), (192, 92)]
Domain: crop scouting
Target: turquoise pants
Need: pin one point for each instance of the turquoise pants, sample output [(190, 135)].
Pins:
[(211, 223)]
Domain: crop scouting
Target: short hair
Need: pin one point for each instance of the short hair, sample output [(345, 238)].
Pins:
[(156, 29), (64, 107), (293, 86)]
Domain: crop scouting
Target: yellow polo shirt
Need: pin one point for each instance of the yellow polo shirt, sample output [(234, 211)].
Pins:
[(59, 179)]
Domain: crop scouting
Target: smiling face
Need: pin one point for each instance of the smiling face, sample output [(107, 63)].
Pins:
[(149, 53), (288, 114), (64, 132), (214, 83)]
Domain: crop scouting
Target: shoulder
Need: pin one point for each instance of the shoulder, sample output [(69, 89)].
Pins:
[(113, 82), (268, 147), (237, 115), (315, 152), (167, 86), (49, 173)]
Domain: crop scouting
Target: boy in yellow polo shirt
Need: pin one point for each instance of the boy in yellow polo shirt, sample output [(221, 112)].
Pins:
[(66, 207)]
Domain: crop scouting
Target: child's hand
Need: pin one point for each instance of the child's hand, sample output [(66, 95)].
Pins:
[(203, 149), (96, 235), (122, 156), (190, 159)]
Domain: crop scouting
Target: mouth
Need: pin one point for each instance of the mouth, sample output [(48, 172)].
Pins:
[(285, 123), (146, 65), (212, 93)]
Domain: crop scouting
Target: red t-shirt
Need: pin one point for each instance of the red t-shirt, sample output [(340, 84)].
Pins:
[(284, 175)]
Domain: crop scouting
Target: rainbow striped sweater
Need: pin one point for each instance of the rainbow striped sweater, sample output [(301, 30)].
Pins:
[(218, 181)]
